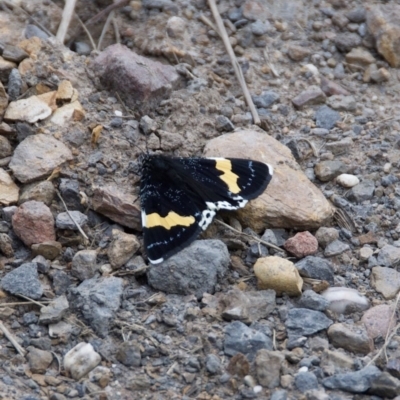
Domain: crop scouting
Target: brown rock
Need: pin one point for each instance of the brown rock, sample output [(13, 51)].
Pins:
[(278, 274), (139, 81), (39, 360), (350, 337), (302, 244), (5, 147), (331, 88), (373, 74), (118, 206), (33, 223), (297, 53), (13, 53), (6, 130), (367, 238), (64, 91), (254, 10), (122, 247), (43, 191), (9, 191), (383, 24), (67, 113), (238, 365), (385, 281), (325, 235), (3, 99), (304, 206), (378, 320), (6, 245), (268, 367), (5, 69), (359, 57), (311, 96), (49, 250)]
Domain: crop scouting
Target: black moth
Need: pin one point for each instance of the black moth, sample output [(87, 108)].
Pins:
[(180, 197)]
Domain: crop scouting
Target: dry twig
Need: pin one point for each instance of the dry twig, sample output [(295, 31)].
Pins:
[(238, 71), (67, 14), (104, 30), (11, 338)]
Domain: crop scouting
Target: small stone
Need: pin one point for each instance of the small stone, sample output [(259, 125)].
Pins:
[(255, 10), (326, 117), (327, 170), (61, 282), (23, 280), (356, 15), (278, 274), (34, 31), (13, 53), (122, 247), (67, 113), (385, 386), (80, 360), (84, 264), (33, 223), (268, 367), (6, 245), (347, 41), (128, 353), (344, 300), (213, 364), (331, 88), (354, 382), (49, 250), (334, 360), (342, 103), (29, 110), (69, 189), (238, 365), (61, 331), (311, 96), (101, 375), (5, 69), (365, 253), (65, 91), (359, 57), (378, 321), (259, 28), (39, 360), (325, 235), (298, 53), (347, 180), (9, 191), (305, 381), (335, 248), (14, 84), (361, 192), (302, 244), (64, 220), (351, 338), (148, 125), (316, 268), (54, 311), (304, 322), (176, 27), (313, 301), (385, 281), (239, 338), (224, 124), (389, 256), (43, 191), (340, 146)]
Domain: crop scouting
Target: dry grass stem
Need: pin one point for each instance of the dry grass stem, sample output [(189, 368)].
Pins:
[(105, 28), (12, 340), (238, 71), (67, 14)]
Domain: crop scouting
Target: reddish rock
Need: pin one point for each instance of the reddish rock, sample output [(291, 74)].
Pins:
[(331, 88), (378, 320), (139, 80), (311, 96), (33, 223), (302, 244)]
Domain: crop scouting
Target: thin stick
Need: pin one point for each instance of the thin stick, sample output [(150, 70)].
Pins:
[(235, 64), (21, 303), (72, 218), (10, 337), (31, 300), (87, 32), (250, 236), (116, 30), (65, 19), (105, 28)]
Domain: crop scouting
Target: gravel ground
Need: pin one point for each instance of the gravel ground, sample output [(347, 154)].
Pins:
[(84, 315)]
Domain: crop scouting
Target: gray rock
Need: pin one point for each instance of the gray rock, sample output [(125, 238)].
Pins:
[(327, 170), (386, 280), (353, 338), (326, 117), (342, 103), (305, 381), (69, 189), (213, 363), (23, 280), (224, 124), (13, 53), (14, 84), (279, 395), (33, 30), (239, 338), (385, 385), (268, 367), (354, 382), (304, 322), (55, 311), (361, 192), (194, 270), (335, 248), (64, 221), (357, 15), (61, 282), (316, 268), (128, 353), (266, 99), (259, 28), (313, 301), (347, 41), (389, 256), (82, 48), (326, 235), (84, 264), (97, 299)]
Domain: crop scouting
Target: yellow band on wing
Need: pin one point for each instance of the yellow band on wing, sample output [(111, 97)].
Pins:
[(169, 221), (225, 166)]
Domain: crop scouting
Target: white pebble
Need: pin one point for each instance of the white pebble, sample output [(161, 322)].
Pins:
[(118, 113), (387, 167), (257, 389), (347, 180), (80, 360), (303, 369), (342, 299)]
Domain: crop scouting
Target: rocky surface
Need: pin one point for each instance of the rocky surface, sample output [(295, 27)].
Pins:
[(83, 313)]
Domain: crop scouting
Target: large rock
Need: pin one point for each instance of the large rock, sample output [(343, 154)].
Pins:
[(37, 156), (9, 191), (290, 200)]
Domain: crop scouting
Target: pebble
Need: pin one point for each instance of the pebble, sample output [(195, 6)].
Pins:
[(14, 84), (325, 235), (3, 99), (23, 280), (310, 96), (341, 146), (344, 300), (98, 299), (238, 365), (316, 268), (259, 28), (268, 367), (33, 223), (347, 41), (13, 53), (378, 320), (354, 382), (266, 99), (365, 253), (335, 361), (64, 220), (33, 31), (305, 381), (54, 311), (325, 171), (194, 270), (347, 180), (50, 250), (335, 248), (360, 57), (29, 110), (362, 192), (389, 256), (9, 191), (297, 53), (40, 191), (122, 247), (213, 364), (385, 386), (61, 282), (357, 15), (28, 163), (67, 113), (342, 103), (176, 27), (39, 360), (128, 353), (326, 118), (239, 338), (331, 88), (302, 244), (223, 124), (313, 301), (69, 189), (352, 338), (84, 264), (255, 10), (6, 245), (304, 322), (385, 281), (278, 274), (279, 395), (80, 360)]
